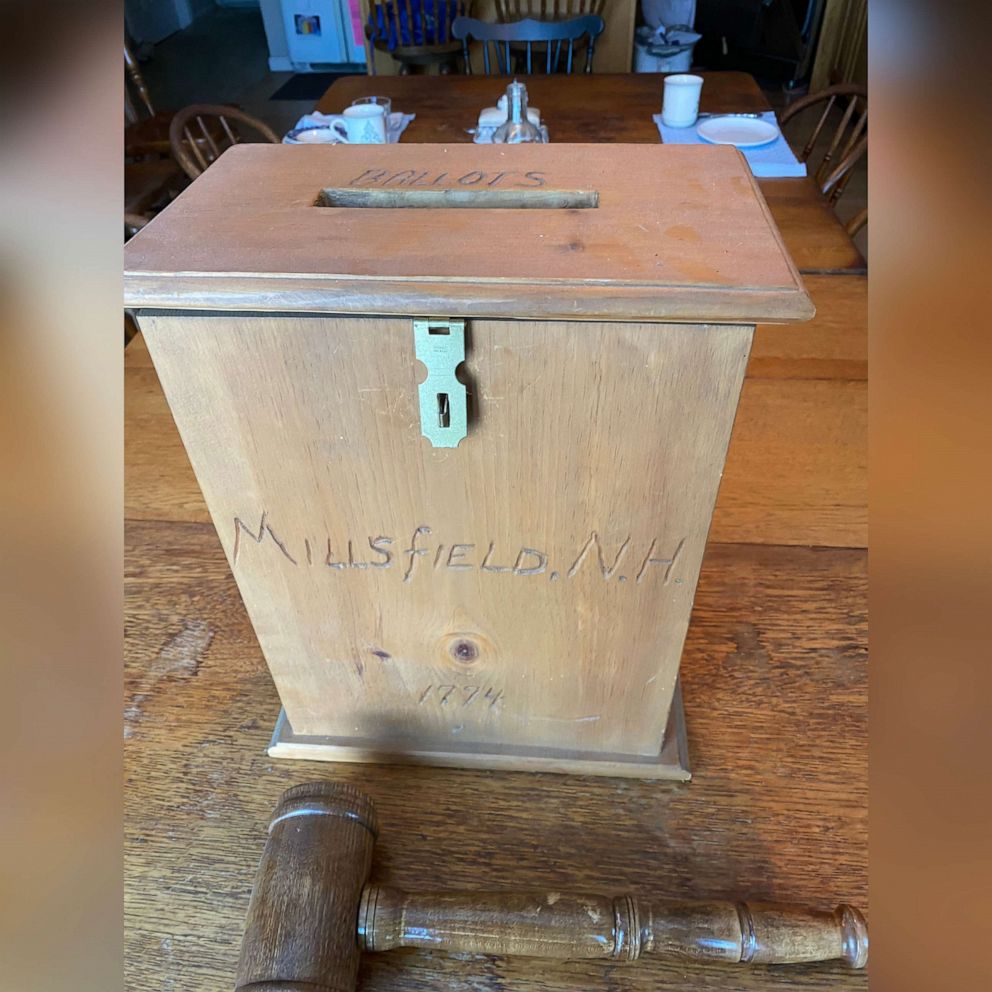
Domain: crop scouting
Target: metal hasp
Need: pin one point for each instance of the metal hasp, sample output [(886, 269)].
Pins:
[(440, 345)]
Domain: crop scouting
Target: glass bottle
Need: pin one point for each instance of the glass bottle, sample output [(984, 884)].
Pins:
[(517, 127)]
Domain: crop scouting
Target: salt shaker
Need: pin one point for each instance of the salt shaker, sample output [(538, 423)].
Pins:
[(518, 128)]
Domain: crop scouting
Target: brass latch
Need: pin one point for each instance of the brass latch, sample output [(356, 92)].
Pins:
[(440, 345)]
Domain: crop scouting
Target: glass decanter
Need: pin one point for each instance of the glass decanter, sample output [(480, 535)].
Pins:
[(517, 127)]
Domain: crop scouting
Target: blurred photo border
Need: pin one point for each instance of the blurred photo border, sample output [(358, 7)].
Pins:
[(61, 368)]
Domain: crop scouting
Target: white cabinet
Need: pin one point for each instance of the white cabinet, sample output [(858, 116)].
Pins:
[(311, 34)]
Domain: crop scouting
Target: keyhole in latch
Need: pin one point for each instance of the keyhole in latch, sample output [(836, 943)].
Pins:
[(439, 345), (443, 410)]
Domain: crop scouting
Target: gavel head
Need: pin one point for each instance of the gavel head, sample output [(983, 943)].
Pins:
[(300, 935)]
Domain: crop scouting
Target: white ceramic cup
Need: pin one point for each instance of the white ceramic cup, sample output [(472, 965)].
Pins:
[(362, 125), (680, 105)]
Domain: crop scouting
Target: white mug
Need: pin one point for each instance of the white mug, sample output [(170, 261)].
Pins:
[(680, 106), (364, 124)]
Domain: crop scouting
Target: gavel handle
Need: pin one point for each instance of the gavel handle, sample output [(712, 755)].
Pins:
[(567, 925)]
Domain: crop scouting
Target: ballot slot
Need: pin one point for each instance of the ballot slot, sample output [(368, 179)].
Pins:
[(471, 199)]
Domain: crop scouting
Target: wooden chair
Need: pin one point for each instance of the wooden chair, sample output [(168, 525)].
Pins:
[(146, 132), (134, 223), (551, 36), (218, 128), (857, 222), (850, 138), (138, 85), (151, 185), (415, 32), (152, 178), (508, 11)]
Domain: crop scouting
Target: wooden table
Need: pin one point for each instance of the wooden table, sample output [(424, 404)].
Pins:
[(609, 108), (774, 674)]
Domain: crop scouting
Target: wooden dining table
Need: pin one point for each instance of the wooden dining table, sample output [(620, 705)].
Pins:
[(774, 670), (616, 108)]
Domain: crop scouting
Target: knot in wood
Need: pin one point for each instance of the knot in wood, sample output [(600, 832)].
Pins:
[(464, 651)]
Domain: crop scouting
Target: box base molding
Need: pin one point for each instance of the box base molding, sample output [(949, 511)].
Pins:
[(672, 763)]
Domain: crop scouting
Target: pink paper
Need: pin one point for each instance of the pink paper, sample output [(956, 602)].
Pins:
[(357, 28)]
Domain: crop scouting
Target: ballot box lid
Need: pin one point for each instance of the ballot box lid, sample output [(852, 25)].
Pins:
[(676, 233)]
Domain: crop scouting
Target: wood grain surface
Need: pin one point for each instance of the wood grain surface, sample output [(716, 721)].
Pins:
[(316, 861), (796, 468), (530, 588), (833, 345), (775, 683), (602, 107), (611, 108), (774, 675), (580, 925), (796, 471), (663, 232), (815, 237)]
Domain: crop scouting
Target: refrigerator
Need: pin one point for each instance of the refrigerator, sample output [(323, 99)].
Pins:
[(314, 35)]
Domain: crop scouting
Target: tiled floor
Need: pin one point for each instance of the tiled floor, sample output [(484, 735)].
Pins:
[(223, 58)]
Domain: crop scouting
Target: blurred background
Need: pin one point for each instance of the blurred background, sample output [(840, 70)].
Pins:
[(273, 60), (244, 51), (61, 369)]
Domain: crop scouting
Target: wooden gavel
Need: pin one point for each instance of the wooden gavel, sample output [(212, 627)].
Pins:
[(312, 912)]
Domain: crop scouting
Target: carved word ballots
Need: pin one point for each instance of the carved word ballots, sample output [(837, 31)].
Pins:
[(420, 178), (422, 554)]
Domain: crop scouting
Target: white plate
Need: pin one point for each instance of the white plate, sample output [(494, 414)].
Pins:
[(744, 132), (314, 135)]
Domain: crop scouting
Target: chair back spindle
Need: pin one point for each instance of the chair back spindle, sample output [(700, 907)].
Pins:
[(513, 44), (849, 141), (546, 10), (201, 133), (138, 83), (414, 32)]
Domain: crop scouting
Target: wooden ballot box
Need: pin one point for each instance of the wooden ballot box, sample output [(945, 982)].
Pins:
[(460, 414)]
